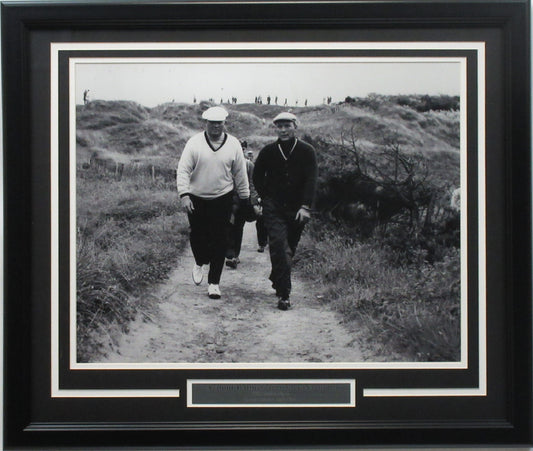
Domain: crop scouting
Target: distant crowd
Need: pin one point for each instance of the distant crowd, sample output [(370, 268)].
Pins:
[(234, 100), (258, 100)]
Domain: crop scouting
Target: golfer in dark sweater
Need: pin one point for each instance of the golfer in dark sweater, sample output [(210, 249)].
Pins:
[(285, 177)]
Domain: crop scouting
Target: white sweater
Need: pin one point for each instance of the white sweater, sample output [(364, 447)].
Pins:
[(209, 174)]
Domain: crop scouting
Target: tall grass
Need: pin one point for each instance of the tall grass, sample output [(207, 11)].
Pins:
[(409, 308), (129, 236)]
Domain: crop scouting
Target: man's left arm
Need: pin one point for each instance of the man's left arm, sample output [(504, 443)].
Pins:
[(240, 176)]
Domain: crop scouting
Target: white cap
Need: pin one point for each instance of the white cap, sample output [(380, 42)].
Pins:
[(284, 117), (215, 113)]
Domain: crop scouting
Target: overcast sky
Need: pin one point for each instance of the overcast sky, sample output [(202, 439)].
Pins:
[(151, 84)]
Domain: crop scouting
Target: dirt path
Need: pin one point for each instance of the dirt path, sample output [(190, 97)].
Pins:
[(243, 326)]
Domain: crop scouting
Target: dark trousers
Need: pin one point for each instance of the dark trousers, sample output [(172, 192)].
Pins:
[(209, 223), (235, 232), (262, 233), (284, 233)]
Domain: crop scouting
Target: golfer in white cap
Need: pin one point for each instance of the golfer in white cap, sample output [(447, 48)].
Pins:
[(285, 177), (211, 166)]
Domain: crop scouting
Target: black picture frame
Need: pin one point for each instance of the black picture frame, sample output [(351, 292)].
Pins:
[(502, 415)]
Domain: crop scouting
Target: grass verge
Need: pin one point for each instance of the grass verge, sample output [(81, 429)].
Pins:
[(129, 235), (411, 309)]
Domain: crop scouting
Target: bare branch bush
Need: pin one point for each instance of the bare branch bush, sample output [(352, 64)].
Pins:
[(371, 179)]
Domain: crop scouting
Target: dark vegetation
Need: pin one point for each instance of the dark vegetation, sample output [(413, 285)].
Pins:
[(383, 246), (420, 103), (386, 247)]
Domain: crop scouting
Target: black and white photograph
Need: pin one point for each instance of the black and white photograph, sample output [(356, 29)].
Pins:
[(268, 212)]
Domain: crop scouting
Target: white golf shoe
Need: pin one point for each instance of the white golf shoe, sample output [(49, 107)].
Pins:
[(213, 291), (197, 274)]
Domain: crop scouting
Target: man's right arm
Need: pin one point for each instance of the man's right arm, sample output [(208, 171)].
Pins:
[(183, 174), (183, 178)]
